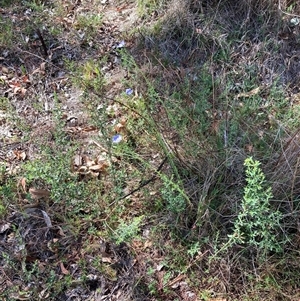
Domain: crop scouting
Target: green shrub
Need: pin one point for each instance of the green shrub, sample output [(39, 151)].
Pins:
[(257, 223), (127, 231)]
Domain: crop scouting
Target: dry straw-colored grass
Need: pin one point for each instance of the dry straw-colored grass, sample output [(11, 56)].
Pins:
[(286, 171)]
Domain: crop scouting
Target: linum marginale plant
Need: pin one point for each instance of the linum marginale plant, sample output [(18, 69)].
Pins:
[(257, 224)]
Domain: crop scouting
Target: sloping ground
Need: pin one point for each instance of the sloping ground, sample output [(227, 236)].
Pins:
[(124, 126)]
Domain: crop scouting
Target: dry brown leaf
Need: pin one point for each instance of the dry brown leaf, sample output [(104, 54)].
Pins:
[(249, 148), (25, 79), (101, 158), (215, 126), (106, 260), (61, 232), (23, 91), (82, 169), (38, 193), (123, 121), (250, 93), (101, 167), (148, 244), (96, 168), (118, 127), (93, 175), (90, 128), (87, 161), (20, 155), (160, 278), (63, 269), (22, 182)]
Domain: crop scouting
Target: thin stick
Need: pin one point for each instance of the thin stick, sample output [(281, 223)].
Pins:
[(42, 41)]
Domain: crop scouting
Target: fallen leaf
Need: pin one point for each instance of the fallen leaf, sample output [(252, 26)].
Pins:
[(82, 169), (96, 167), (249, 147), (63, 269), (38, 193), (215, 126), (87, 161), (90, 128), (23, 184), (20, 155), (250, 93), (106, 260), (118, 127), (120, 8), (25, 79), (148, 244), (123, 121)]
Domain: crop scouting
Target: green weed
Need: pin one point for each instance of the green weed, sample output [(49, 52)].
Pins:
[(127, 231), (87, 76), (257, 224)]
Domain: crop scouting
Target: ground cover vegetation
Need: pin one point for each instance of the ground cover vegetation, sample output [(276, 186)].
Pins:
[(149, 150)]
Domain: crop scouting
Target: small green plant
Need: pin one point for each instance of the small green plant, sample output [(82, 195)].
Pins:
[(257, 223), (127, 231), (173, 195), (194, 249), (87, 76), (89, 22)]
